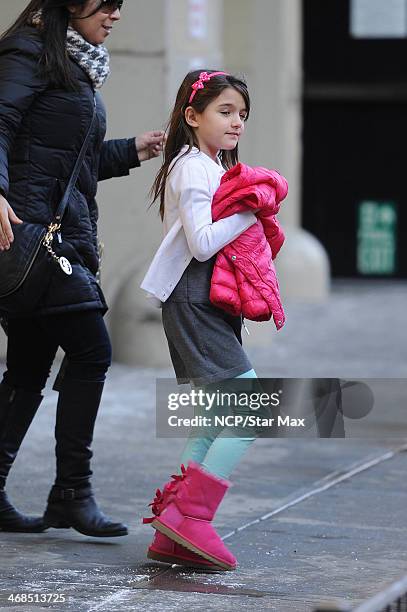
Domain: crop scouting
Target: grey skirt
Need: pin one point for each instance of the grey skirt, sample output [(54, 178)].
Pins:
[(205, 342)]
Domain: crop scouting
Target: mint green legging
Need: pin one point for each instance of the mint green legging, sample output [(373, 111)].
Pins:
[(221, 453)]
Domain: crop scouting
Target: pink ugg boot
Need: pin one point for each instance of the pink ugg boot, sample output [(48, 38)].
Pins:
[(162, 548), (187, 516)]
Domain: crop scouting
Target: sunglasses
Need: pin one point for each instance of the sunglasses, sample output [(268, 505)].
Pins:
[(105, 6), (110, 6)]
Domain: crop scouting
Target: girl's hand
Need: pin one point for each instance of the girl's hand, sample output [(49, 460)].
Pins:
[(150, 144), (7, 216)]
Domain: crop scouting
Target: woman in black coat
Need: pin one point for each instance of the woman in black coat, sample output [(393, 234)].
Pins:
[(52, 63)]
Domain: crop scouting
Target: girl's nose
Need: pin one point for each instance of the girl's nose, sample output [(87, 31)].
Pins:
[(237, 121)]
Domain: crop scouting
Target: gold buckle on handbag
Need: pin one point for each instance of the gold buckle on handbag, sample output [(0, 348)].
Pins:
[(47, 242)]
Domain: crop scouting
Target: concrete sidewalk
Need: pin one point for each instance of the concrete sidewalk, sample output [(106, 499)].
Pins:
[(307, 519)]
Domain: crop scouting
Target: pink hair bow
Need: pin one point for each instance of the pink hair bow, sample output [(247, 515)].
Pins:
[(199, 84)]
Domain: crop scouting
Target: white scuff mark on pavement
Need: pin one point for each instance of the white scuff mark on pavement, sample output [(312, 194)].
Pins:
[(139, 578), (42, 586), (69, 572), (217, 579), (114, 598)]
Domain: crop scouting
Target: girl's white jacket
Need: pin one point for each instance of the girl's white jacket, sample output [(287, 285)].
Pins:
[(188, 227)]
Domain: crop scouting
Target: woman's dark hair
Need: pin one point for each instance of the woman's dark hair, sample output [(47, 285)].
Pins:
[(179, 133), (55, 20)]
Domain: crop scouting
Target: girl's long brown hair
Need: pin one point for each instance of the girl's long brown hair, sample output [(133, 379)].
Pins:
[(179, 133)]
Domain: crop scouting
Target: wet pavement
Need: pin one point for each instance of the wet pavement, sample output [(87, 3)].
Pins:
[(308, 519)]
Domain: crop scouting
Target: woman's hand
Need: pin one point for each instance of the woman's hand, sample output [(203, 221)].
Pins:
[(7, 216), (150, 144)]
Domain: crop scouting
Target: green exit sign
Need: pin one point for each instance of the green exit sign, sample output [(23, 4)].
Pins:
[(377, 238)]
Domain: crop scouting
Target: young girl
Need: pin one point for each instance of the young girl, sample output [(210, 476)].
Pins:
[(205, 342)]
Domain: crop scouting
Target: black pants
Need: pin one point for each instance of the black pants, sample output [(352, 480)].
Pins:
[(34, 341)]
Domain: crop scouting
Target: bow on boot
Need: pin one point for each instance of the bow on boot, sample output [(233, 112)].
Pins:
[(161, 499)]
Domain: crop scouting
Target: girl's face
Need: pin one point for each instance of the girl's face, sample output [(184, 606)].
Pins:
[(221, 124), (96, 28)]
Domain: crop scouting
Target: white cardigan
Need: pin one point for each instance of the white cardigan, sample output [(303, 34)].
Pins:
[(188, 227)]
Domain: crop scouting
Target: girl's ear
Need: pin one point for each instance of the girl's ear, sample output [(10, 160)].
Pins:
[(191, 117)]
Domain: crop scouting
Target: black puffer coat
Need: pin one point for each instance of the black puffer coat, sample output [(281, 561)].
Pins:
[(41, 132)]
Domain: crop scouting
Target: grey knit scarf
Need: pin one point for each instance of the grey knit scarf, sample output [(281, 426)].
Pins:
[(93, 59)]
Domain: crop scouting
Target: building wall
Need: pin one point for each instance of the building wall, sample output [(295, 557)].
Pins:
[(135, 96), (262, 40)]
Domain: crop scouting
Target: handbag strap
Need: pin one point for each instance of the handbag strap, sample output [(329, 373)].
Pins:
[(75, 172)]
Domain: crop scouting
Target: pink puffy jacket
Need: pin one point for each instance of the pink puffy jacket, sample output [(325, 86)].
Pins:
[(244, 280)]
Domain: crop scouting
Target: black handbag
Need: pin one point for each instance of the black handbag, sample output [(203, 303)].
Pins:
[(26, 269)]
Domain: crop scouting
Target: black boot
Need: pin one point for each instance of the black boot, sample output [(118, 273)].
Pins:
[(17, 410), (77, 508), (71, 502)]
